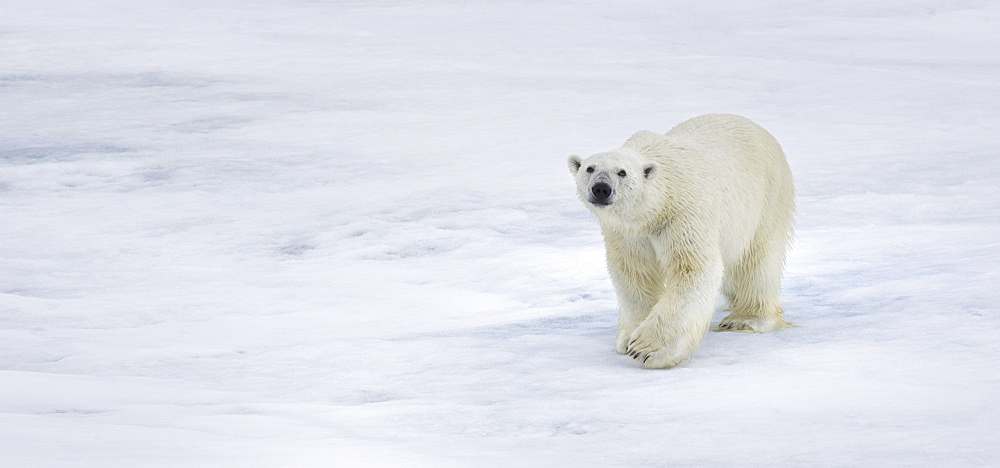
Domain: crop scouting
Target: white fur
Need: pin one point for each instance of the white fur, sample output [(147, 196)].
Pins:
[(705, 208)]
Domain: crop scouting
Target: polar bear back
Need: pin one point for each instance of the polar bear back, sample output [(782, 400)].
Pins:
[(741, 170)]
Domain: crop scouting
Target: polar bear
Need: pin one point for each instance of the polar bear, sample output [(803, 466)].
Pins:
[(704, 208)]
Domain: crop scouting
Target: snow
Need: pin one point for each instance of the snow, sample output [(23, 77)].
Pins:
[(309, 233)]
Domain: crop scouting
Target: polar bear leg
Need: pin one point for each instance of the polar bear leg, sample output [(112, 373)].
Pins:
[(635, 274), (680, 318), (752, 288)]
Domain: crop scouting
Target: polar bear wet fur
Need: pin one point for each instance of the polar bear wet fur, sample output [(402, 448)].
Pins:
[(704, 208)]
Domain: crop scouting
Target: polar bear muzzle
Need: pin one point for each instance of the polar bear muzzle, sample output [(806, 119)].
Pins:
[(600, 194)]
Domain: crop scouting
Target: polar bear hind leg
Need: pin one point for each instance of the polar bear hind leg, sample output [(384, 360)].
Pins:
[(752, 286)]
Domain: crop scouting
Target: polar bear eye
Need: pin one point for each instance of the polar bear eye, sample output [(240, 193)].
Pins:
[(621, 173), (590, 169)]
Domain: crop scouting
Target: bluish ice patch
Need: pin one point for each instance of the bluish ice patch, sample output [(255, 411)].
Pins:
[(157, 175), (297, 248), (210, 124), (16, 79), (554, 325), (128, 80), (33, 153)]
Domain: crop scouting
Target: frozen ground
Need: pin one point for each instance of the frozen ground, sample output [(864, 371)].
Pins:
[(308, 233)]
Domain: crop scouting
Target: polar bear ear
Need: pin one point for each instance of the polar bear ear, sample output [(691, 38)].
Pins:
[(574, 164), (650, 169)]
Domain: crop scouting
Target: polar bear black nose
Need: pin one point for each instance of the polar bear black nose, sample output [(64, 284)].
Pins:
[(601, 191)]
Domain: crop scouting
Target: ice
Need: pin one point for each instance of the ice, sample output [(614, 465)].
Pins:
[(343, 233)]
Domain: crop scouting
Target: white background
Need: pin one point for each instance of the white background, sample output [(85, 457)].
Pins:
[(308, 233)]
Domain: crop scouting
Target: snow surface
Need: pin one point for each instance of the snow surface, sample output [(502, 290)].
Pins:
[(308, 233)]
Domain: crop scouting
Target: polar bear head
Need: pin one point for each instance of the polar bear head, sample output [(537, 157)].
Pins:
[(612, 182)]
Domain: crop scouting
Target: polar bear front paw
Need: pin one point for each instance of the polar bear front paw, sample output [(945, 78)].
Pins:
[(621, 343), (650, 348), (623, 338)]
